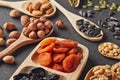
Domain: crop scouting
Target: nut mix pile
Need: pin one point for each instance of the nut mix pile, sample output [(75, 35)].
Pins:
[(37, 28), (59, 55), (109, 49), (37, 73), (39, 8), (106, 72)]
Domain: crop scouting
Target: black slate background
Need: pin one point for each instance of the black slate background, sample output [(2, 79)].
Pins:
[(68, 32)]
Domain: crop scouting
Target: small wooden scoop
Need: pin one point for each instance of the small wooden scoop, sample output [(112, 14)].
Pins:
[(20, 6), (73, 18), (88, 75), (114, 57), (22, 40)]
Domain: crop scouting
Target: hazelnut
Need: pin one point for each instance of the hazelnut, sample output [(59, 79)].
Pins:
[(10, 41), (36, 21), (9, 26), (14, 34), (59, 24), (24, 19), (47, 31), (32, 27), (41, 34), (2, 41), (2, 35), (48, 24), (9, 59), (14, 13), (40, 26), (33, 35), (32, 19), (43, 19), (26, 32)]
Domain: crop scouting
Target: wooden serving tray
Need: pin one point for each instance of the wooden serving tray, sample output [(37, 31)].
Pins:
[(31, 62)]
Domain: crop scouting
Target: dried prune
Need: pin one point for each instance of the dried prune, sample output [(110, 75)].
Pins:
[(21, 76), (39, 72), (53, 77)]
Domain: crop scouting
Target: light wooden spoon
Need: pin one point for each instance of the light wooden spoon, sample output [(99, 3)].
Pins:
[(76, 5), (20, 6), (114, 57), (21, 41), (73, 18), (89, 74)]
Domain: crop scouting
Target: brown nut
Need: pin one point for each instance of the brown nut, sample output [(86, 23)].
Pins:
[(45, 6), (47, 31), (10, 41), (14, 13), (48, 24), (43, 19), (44, 1), (30, 8), (36, 5), (26, 32), (40, 26), (14, 34), (2, 35), (37, 13), (9, 59), (2, 41), (33, 35), (9, 26), (59, 24), (32, 19), (41, 34), (24, 19), (27, 4), (36, 21), (32, 27), (49, 11)]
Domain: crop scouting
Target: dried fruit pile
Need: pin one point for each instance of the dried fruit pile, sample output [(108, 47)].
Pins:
[(36, 74), (60, 55)]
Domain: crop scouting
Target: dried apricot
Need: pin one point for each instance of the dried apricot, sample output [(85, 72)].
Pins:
[(72, 51), (58, 67), (67, 43), (58, 57), (80, 55), (47, 42), (70, 63), (45, 58), (47, 48), (60, 50)]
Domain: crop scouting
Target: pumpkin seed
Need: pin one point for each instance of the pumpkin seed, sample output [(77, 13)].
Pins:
[(97, 8)]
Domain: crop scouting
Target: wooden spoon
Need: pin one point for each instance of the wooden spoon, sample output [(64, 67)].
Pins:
[(21, 41), (89, 74), (20, 6), (114, 57), (73, 18), (76, 4)]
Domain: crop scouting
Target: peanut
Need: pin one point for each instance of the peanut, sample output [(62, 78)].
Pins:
[(9, 26), (14, 34), (9, 59), (24, 19), (14, 13)]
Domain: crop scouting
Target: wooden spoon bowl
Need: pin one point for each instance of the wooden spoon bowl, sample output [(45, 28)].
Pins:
[(21, 41), (109, 54), (20, 6)]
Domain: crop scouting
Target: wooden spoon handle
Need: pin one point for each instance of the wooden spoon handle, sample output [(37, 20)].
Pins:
[(14, 46), (5, 3)]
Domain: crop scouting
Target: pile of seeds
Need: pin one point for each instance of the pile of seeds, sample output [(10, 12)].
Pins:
[(88, 29), (112, 24), (103, 4), (36, 74)]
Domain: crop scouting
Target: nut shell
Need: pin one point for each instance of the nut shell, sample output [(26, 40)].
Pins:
[(9, 59)]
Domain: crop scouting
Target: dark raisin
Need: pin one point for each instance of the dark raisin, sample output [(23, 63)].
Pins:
[(80, 22), (21, 76), (117, 28), (100, 22), (111, 13), (117, 37), (53, 77), (85, 14), (81, 12), (39, 72)]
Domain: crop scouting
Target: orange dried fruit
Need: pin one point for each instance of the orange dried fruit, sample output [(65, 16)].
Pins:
[(46, 48), (67, 43), (73, 51), (58, 67), (70, 63), (47, 42), (58, 57), (60, 49), (45, 58), (80, 55)]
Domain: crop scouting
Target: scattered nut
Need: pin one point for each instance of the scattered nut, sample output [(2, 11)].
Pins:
[(14, 34), (24, 19), (2, 35), (9, 26), (59, 24), (10, 41), (14, 13), (2, 41), (9, 59)]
